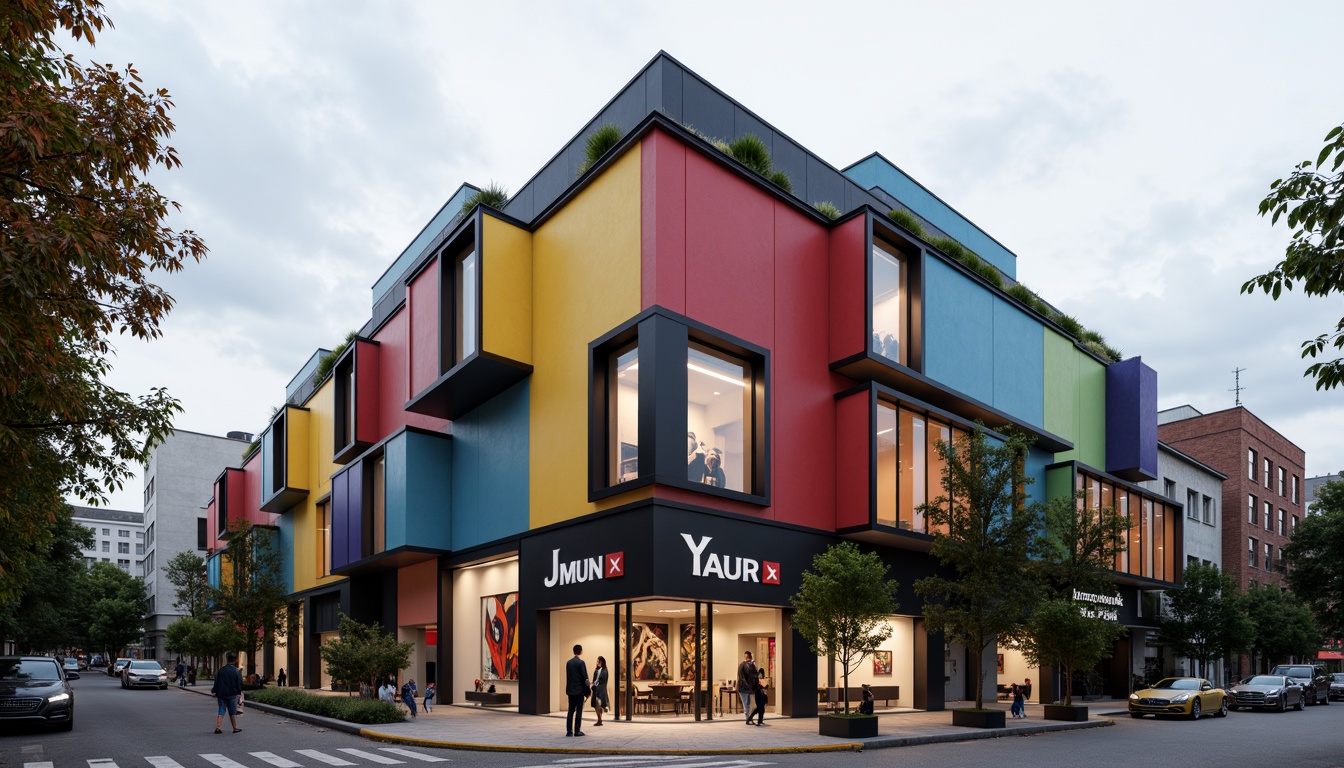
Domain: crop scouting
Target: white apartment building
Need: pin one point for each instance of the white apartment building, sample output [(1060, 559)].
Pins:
[(118, 537)]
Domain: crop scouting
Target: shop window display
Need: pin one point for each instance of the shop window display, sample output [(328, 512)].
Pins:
[(717, 411)]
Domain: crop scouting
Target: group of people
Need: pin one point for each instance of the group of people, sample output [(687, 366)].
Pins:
[(751, 689), (1020, 694), (579, 688), (409, 690)]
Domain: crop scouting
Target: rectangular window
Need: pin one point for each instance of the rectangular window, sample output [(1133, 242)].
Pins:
[(1254, 508), (201, 531), (124, 565), (1283, 523), (1267, 471), (1295, 489), (889, 290), (913, 480), (1250, 463), (887, 466), (107, 531), (1208, 511), (123, 534), (1252, 550), (465, 306), (1269, 556), (1269, 515), (324, 539), (123, 548), (624, 416), (1192, 504), (909, 467), (1283, 482), (718, 418), (139, 535), (1191, 560), (1168, 488), (1294, 528), (107, 546), (379, 516), (140, 549)]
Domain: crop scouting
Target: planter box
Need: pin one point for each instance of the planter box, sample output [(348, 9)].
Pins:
[(841, 727), (484, 699), (976, 718), (1067, 712)]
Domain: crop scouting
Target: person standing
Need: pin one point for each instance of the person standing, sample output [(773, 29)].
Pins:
[(759, 693), (577, 689), (1019, 701), (408, 696), (600, 701), (429, 697), (387, 692), (228, 688), (747, 678), (181, 671), (280, 678)]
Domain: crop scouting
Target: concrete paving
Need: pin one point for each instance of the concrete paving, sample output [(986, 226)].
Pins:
[(493, 729)]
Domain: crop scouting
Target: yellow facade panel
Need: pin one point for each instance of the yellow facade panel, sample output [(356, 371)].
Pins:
[(317, 443), (506, 289)]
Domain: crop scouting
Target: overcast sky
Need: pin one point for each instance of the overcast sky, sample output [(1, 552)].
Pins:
[(1119, 149)]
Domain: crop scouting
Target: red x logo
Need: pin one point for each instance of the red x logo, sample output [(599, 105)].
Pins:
[(615, 565), (771, 575)]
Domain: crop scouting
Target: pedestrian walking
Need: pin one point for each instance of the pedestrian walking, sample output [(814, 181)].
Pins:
[(429, 697), (387, 692), (228, 689), (191, 675), (600, 702), (747, 677), (1019, 700), (577, 689), (759, 694), (280, 678), (181, 674), (408, 696)]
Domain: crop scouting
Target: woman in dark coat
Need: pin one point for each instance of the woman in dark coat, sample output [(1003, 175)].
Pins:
[(601, 702)]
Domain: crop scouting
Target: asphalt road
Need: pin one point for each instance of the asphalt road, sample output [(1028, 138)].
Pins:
[(174, 729)]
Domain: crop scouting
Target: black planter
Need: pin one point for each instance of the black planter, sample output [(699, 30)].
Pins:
[(978, 718), (854, 727), (1067, 712)]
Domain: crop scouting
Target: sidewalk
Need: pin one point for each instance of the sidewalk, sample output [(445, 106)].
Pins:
[(496, 730)]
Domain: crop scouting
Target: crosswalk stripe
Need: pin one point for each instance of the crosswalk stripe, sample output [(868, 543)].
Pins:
[(102, 762), (160, 761), (416, 755), (384, 760), (222, 761), (37, 765), (276, 760), (323, 757)]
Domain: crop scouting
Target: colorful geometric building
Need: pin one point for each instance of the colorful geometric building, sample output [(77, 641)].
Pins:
[(626, 410)]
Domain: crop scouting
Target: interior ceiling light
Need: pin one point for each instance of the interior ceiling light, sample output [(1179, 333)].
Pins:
[(716, 374)]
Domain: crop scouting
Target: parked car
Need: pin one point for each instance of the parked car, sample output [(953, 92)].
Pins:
[(1187, 696), (1315, 683), (35, 689), (70, 664), (1337, 685), (144, 673), (117, 666), (1267, 692), (97, 660)]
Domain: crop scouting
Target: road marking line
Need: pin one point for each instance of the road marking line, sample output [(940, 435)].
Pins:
[(322, 757), (103, 762), (382, 759), (222, 761), (276, 760), (416, 755), (160, 761), (37, 765)]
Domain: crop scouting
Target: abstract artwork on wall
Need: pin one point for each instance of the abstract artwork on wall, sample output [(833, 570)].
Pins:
[(499, 625), (648, 650), (881, 662), (688, 651)]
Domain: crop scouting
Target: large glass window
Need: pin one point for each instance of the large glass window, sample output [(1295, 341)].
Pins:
[(718, 418), (1252, 508), (1149, 550), (909, 469), (1283, 482), (1250, 463), (380, 504), (889, 293), (465, 286), (324, 539), (624, 417)]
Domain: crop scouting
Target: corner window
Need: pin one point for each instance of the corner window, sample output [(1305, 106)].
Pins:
[(466, 306), (890, 318), (909, 469), (624, 416), (718, 418), (324, 539)]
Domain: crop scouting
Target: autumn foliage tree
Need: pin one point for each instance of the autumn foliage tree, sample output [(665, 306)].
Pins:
[(81, 234)]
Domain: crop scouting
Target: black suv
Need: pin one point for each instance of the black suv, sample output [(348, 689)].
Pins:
[(1312, 677), (35, 689)]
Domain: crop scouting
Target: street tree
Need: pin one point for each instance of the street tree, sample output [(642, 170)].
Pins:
[(253, 596), (1315, 559), (987, 525), (1205, 619), (362, 654), (186, 572), (1312, 200), (202, 638), (114, 608), (82, 233), (843, 606), (47, 614), (1074, 554), (1284, 628)]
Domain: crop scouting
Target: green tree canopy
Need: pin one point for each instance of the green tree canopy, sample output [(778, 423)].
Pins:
[(114, 607), (254, 596), (81, 232), (186, 572), (1206, 618), (988, 526), (843, 606), (363, 653), (1315, 559), (1312, 199), (48, 614), (1284, 628)]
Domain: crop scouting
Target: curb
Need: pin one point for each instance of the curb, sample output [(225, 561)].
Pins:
[(888, 742), (415, 741)]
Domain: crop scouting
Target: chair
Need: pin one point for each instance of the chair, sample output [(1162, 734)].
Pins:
[(643, 700)]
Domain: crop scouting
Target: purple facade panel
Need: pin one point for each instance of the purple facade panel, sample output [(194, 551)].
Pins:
[(346, 493), (1131, 420)]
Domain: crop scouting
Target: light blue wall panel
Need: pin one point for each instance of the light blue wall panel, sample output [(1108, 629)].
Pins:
[(394, 491), (267, 462), (958, 331), (490, 469), (287, 551), (1019, 364), (876, 171), (1037, 460), (429, 461)]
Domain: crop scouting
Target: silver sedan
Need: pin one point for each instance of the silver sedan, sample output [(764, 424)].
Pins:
[(1266, 692), (143, 673)]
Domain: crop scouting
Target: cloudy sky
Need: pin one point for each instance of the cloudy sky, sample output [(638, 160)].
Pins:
[(1120, 149)]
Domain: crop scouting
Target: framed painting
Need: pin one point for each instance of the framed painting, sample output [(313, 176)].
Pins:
[(499, 628), (647, 649), (881, 662)]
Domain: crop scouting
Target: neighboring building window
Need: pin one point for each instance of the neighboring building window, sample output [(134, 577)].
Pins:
[(89, 561), (1283, 482), (889, 291), (466, 289), (107, 531), (908, 465), (123, 548), (1267, 472), (107, 546), (1250, 463), (202, 532), (1253, 507), (624, 417), (718, 413), (140, 549), (1191, 560), (139, 535), (124, 565), (149, 490), (1252, 550), (1294, 528), (1209, 511), (1283, 523), (1269, 556), (1295, 489), (123, 534), (1269, 515), (1192, 504), (324, 539), (1169, 488), (149, 535)]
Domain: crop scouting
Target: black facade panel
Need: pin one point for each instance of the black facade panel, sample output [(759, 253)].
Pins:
[(627, 111), (556, 177), (744, 122), (373, 598), (522, 205), (664, 89), (630, 533), (791, 159), (664, 351), (824, 183), (798, 663), (706, 110)]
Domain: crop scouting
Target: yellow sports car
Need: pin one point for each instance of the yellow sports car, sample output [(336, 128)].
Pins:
[(1189, 696)]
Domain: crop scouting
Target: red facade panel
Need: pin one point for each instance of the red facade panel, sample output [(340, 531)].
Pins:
[(663, 222), (853, 460), (422, 358), (368, 393), (848, 288), (396, 356)]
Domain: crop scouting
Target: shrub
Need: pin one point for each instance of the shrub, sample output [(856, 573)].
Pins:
[(781, 179), (600, 143), (494, 195), (908, 220), (987, 271), (751, 151), (1070, 324), (328, 360), (827, 209), (351, 710), (1023, 294), (952, 248)]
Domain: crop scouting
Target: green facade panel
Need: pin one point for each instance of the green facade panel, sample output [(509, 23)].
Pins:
[(1075, 400)]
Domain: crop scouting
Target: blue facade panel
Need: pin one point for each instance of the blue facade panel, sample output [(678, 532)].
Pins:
[(1131, 420), (876, 171), (490, 470), (1037, 460), (267, 461), (419, 491), (286, 541), (1019, 364), (958, 331), (212, 570)]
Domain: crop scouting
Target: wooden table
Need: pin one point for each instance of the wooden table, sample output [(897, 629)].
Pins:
[(667, 694), (734, 701)]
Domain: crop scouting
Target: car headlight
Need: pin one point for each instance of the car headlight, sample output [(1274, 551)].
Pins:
[(58, 697), (163, 674), (1180, 697), (1133, 697)]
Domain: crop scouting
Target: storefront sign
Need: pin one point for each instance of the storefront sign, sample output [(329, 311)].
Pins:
[(728, 567), (609, 566), (1105, 606)]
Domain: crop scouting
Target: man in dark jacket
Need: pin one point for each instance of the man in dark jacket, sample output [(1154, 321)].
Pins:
[(747, 678), (576, 688), (227, 688)]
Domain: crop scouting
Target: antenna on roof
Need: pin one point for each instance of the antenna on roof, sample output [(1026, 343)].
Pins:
[(1237, 373)]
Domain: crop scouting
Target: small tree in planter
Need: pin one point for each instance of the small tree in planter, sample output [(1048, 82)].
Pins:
[(363, 654), (987, 525), (843, 605)]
